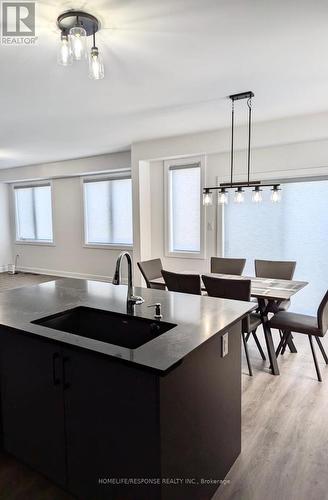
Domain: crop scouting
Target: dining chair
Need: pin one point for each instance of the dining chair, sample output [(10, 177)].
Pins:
[(236, 289), (312, 326), (185, 283), (222, 265), (151, 269), (280, 270), (275, 269)]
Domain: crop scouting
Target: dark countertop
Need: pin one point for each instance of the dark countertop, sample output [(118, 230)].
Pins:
[(197, 317)]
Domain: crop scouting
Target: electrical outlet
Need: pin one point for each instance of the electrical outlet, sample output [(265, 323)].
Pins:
[(224, 345)]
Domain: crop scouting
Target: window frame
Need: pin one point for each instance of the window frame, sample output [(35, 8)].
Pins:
[(99, 178), (184, 162), (22, 185)]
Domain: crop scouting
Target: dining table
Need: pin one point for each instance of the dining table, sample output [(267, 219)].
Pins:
[(264, 290)]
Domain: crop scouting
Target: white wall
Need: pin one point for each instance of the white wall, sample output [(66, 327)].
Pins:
[(68, 256), (5, 239)]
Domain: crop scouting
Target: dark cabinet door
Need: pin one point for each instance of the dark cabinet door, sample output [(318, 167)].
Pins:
[(112, 427), (32, 403)]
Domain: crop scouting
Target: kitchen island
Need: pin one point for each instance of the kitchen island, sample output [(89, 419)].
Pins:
[(150, 411)]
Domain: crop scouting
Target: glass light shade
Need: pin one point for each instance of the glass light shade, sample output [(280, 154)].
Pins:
[(257, 195), (96, 65), (207, 198), (78, 37), (275, 195), (239, 196), (222, 198), (64, 57)]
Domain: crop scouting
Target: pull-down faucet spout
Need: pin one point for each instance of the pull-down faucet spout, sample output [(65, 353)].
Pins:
[(131, 298)]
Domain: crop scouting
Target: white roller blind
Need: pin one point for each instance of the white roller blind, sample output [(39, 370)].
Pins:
[(108, 212), (184, 199), (33, 213), (294, 229)]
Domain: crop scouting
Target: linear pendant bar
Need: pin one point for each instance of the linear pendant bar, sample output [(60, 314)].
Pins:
[(238, 186)]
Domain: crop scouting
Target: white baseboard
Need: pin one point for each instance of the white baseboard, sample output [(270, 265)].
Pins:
[(3, 269), (64, 274)]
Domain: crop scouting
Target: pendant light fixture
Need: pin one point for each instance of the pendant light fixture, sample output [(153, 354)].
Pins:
[(240, 187), (65, 57), (207, 197), (75, 27), (96, 65), (78, 37), (257, 195), (275, 194), (223, 197)]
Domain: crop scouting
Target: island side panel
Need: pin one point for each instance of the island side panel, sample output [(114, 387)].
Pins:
[(200, 417)]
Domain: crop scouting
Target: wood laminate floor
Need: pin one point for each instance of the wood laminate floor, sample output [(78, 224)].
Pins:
[(284, 433), (284, 430)]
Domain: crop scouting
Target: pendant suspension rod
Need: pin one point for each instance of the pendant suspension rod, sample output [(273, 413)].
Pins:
[(249, 104), (232, 139), (94, 38)]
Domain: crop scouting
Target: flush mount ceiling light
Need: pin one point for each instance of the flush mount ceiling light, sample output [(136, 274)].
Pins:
[(239, 186), (75, 27)]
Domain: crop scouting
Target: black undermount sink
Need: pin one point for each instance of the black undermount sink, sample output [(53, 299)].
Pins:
[(114, 328)]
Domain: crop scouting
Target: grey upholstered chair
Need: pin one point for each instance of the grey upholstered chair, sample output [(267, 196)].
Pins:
[(276, 269), (151, 269), (238, 289), (222, 265), (312, 326), (185, 283)]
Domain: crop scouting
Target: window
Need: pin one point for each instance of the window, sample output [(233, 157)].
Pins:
[(184, 234), (33, 213), (295, 229), (108, 211)]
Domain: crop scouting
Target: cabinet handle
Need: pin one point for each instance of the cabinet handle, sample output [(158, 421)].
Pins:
[(55, 359), (66, 384)]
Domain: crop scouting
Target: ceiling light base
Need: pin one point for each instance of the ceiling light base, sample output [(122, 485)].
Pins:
[(241, 95), (68, 20)]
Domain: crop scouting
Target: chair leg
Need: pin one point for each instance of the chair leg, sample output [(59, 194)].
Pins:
[(315, 358), (322, 350), (258, 345), (281, 333), (247, 355), (247, 336)]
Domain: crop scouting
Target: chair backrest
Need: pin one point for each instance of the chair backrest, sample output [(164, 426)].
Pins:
[(275, 269), (222, 265), (186, 283), (151, 269), (323, 314), (238, 289)]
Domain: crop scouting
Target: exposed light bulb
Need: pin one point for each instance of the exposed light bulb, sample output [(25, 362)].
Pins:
[(64, 53), (275, 194), (207, 198), (257, 195), (239, 196), (222, 197), (96, 65), (78, 38)]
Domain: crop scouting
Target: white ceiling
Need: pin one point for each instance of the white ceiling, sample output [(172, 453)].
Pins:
[(169, 66)]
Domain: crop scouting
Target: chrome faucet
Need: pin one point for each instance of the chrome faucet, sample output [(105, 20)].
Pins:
[(131, 298)]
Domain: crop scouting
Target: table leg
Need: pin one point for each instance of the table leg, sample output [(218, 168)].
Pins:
[(268, 338)]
